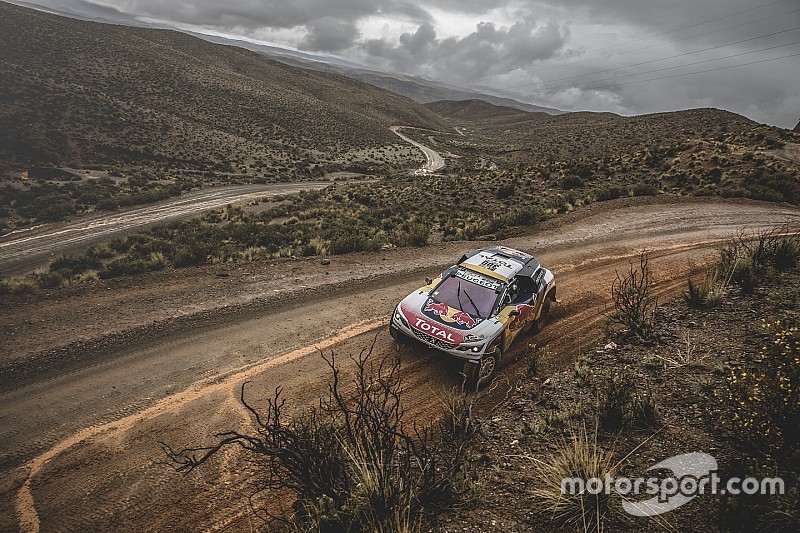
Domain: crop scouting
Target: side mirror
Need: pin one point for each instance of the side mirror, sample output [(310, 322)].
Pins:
[(428, 281), (513, 313)]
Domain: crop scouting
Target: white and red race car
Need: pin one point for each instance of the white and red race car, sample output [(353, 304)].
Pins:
[(475, 309)]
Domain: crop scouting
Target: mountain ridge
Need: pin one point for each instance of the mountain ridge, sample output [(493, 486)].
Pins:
[(77, 92)]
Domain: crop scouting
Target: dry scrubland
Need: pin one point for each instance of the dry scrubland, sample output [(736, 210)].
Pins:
[(98, 117), (497, 179), (717, 370), (154, 112)]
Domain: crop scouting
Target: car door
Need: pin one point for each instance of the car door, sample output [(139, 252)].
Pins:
[(518, 309)]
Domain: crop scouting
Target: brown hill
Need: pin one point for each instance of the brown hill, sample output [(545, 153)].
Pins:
[(473, 109), (78, 93)]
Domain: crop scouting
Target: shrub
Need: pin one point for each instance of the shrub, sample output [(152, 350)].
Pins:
[(49, 280), (610, 193), (571, 181), (458, 421), (23, 285), (615, 394), (646, 189), (505, 191), (709, 292), (634, 303), (577, 457), (757, 258), (765, 396), (644, 413), (351, 463)]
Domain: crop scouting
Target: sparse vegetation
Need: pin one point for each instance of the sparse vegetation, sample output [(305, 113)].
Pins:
[(710, 291), (686, 392), (353, 464), (634, 303), (764, 396), (577, 456)]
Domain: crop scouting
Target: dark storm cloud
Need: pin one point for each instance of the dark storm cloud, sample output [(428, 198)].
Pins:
[(255, 14), (487, 51), (658, 15), (329, 34), (573, 54)]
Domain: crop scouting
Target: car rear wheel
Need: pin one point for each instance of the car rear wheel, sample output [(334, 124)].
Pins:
[(537, 324), (482, 373)]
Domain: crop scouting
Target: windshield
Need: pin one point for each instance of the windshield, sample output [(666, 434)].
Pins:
[(470, 292)]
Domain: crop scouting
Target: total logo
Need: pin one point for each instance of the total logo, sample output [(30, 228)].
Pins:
[(427, 327)]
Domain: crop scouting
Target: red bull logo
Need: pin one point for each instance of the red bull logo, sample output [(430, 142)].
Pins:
[(525, 315), (464, 319), (437, 308)]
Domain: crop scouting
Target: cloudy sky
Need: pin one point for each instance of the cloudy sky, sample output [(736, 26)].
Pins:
[(624, 56)]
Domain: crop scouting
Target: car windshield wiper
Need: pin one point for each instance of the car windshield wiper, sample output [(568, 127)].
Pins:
[(472, 302), (458, 295)]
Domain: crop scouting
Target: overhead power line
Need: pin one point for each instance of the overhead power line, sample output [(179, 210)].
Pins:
[(685, 27), (677, 66), (673, 56), (569, 64), (690, 73)]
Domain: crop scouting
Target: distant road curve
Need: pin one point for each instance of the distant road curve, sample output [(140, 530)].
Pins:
[(25, 250), (434, 160)]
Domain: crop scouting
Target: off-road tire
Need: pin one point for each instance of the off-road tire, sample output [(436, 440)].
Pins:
[(481, 374)]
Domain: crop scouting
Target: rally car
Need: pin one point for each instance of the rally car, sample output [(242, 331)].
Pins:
[(475, 309)]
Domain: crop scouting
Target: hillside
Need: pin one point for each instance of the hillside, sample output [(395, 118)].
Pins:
[(81, 94), (418, 89), (702, 152), (474, 109)]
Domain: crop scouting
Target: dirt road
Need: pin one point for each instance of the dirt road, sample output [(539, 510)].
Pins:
[(26, 250), (434, 161), (80, 440)]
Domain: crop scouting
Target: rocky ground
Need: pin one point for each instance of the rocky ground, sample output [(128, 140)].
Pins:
[(684, 371)]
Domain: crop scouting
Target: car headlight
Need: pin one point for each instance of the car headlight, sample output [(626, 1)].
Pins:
[(474, 349), (399, 316)]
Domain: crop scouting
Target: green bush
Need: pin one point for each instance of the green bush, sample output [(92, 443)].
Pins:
[(49, 280), (764, 397)]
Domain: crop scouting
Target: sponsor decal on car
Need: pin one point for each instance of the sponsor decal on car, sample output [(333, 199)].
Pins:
[(514, 253), (437, 308), (449, 314), (477, 279), (433, 330), (493, 263), (425, 323), (525, 315), (464, 319)]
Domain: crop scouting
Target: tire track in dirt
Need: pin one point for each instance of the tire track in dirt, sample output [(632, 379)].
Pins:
[(584, 273), (427, 400), (26, 508)]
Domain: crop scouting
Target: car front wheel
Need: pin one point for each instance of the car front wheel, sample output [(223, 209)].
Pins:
[(481, 374)]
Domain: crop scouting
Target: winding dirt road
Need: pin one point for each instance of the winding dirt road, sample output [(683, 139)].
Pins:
[(433, 161), (80, 439), (25, 250)]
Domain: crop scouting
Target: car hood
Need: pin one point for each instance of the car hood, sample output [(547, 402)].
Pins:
[(446, 323)]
